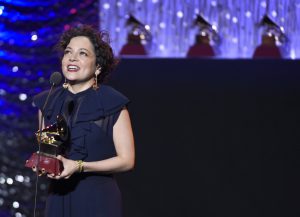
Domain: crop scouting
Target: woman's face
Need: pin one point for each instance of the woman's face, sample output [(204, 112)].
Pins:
[(79, 60)]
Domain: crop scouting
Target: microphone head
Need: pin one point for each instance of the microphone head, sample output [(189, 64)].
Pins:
[(55, 78)]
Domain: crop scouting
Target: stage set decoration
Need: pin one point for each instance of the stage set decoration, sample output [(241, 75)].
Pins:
[(171, 24), (157, 28)]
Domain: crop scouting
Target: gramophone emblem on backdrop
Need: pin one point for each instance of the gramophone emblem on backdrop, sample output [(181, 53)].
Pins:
[(51, 141)]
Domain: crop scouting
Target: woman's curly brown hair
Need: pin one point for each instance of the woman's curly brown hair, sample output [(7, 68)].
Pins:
[(100, 40)]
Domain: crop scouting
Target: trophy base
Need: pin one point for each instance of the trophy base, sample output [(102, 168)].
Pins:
[(44, 164)]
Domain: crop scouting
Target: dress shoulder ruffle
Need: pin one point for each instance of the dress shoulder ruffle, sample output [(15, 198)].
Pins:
[(95, 105), (101, 103)]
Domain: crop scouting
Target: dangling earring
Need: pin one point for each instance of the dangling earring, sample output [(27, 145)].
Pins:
[(95, 85), (65, 84)]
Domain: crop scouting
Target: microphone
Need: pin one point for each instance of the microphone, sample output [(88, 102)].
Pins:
[(55, 78)]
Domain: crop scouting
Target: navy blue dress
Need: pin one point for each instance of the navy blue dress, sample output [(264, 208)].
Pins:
[(90, 115)]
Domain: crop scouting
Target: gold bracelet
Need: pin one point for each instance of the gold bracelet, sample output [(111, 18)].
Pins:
[(80, 166)]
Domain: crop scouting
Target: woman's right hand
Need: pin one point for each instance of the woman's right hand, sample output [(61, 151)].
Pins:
[(70, 167)]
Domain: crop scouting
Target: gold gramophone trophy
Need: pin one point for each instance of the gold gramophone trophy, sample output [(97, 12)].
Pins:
[(51, 143)]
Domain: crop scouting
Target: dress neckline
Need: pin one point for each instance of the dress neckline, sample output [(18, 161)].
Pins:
[(81, 93)]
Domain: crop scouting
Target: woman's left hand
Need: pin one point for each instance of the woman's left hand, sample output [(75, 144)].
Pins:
[(70, 167)]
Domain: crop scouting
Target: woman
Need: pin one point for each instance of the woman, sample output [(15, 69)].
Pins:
[(101, 139)]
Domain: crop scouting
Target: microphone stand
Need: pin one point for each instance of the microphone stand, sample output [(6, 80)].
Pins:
[(41, 120)]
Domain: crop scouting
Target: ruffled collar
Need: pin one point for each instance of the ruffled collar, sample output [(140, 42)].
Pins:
[(95, 103)]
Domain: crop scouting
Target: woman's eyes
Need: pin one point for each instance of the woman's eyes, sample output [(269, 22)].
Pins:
[(67, 52), (81, 53)]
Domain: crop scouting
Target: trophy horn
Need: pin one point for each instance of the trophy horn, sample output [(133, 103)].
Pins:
[(266, 21), (202, 22), (132, 20), (58, 131)]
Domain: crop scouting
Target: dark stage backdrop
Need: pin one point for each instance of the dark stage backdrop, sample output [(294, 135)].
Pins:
[(214, 138)]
